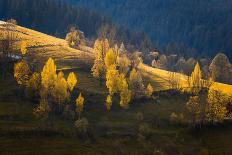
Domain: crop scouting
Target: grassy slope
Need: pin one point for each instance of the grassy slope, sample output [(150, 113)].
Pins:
[(43, 46)]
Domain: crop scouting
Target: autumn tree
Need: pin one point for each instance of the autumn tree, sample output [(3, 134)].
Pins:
[(221, 69), (117, 83), (125, 93), (194, 109), (48, 76), (108, 102), (42, 110), (33, 86), (136, 83), (72, 81), (149, 90), (79, 105), (217, 105), (196, 79), (136, 59), (60, 91), (73, 37), (112, 76), (110, 58), (21, 72), (101, 47), (23, 48), (124, 64)]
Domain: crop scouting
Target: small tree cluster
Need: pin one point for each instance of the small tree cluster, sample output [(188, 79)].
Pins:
[(48, 86), (74, 37), (194, 109), (217, 107)]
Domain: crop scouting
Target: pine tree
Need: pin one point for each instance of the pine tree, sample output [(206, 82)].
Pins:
[(72, 81)]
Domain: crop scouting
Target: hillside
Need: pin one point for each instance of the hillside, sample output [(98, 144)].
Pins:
[(146, 127), (43, 46)]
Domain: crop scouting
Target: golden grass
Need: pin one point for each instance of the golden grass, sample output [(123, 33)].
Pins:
[(160, 79), (43, 46)]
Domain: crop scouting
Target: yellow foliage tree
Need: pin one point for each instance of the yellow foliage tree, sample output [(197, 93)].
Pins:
[(117, 83), (123, 62), (196, 79), (42, 111), (21, 72), (108, 102), (112, 76), (136, 83), (194, 109), (80, 105), (149, 90), (48, 75), (72, 81), (33, 85), (110, 58), (216, 108), (125, 93), (23, 47), (60, 91), (100, 49)]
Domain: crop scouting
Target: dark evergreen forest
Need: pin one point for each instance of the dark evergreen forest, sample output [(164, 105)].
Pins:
[(190, 27)]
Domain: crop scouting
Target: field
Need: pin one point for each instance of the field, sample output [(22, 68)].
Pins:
[(114, 132)]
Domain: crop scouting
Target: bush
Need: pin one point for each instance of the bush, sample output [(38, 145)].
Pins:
[(158, 152), (82, 126), (173, 118), (177, 119), (139, 117), (144, 132), (204, 152)]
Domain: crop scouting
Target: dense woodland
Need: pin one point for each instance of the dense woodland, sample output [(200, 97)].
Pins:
[(192, 27)]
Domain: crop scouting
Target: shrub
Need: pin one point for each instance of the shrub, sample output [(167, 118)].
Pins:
[(139, 117), (144, 131), (173, 118), (82, 126), (204, 152)]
